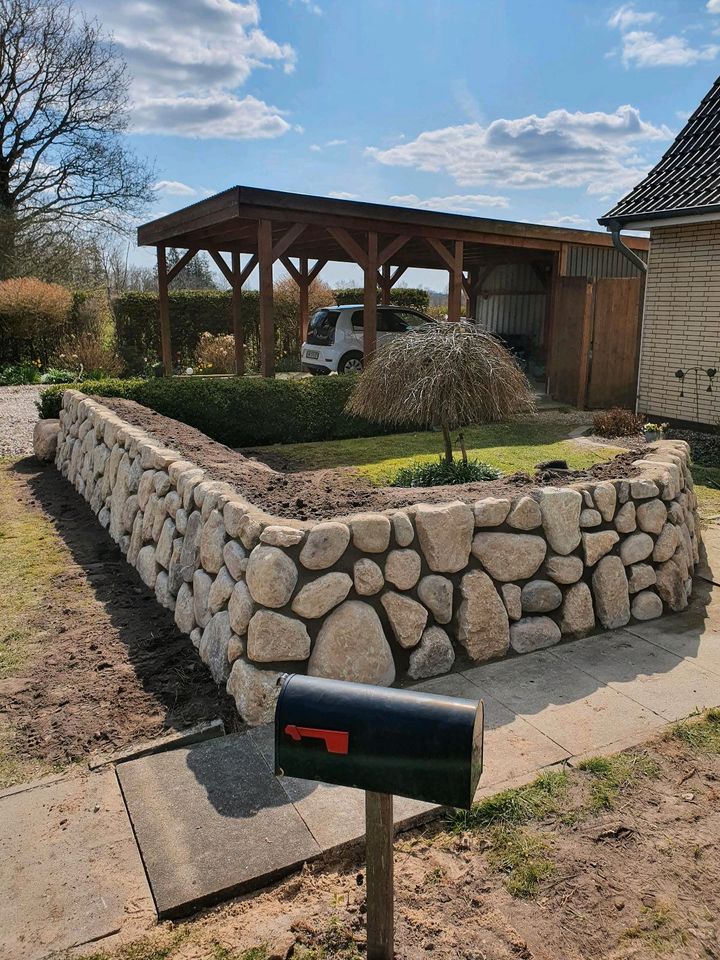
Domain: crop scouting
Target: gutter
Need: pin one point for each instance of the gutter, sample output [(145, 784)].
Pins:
[(614, 226)]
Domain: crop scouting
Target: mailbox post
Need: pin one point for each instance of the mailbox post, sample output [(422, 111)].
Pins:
[(387, 742)]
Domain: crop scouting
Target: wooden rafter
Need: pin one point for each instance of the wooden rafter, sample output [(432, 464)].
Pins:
[(182, 262), (350, 246), (287, 240), (223, 267), (442, 251), (390, 249)]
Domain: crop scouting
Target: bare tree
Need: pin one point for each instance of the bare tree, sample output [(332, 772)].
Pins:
[(451, 374), (63, 110)]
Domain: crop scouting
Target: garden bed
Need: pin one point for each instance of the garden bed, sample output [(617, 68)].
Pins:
[(294, 494)]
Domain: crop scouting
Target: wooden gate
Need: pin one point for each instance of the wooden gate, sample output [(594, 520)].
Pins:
[(594, 341)]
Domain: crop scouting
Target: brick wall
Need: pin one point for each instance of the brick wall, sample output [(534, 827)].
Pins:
[(681, 323)]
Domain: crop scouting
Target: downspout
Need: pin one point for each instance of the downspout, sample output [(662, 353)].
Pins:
[(615, 227)]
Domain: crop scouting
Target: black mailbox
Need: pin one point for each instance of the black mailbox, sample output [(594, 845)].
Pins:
[(381, 739)]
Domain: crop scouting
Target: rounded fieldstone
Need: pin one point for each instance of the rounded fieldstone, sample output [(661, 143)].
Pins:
[(235, 559), (325, 544), (201, 595), (433, 656), (370, 532), (271, 576), (597, 545), (525, 515), (338, 654), (145, 488), (236, 648), (540, 596), (161, 482), (221, 590), (512, 598), (670, 584), (567, 569), (651, 516), (173, 503), (491, 511), (482, 623), (181, 519), (147, 566), (509, 556), (647, 605), (640, 576), (162, 591), (403, 529), (666, 544), (533, 633), (235, 516), (445, 533), (212, 541), (407, 617), (402, 568), (605, 496), (578, 614), (625, 521), (45, 438), (319, 596), (368, 577), (196, 636), (279, 536), (272, 636), (213, 647), (165, 543), (240, 608), (590, 518), (636, 547), (436, 593), (255, 692), (560, 509), (643, 488), (610, 592), (129, 512), (185, 609), (191, 546)]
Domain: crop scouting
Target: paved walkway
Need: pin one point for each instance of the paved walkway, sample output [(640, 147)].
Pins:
[(205, 821)]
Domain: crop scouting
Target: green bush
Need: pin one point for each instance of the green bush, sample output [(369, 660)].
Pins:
[(399, 297), (434, 474), (239, 411), (56, 375), (18, 373)]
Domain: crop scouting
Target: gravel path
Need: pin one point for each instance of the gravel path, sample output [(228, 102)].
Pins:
[(18, 414)]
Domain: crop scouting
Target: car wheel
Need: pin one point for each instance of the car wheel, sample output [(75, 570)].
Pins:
[(351, 363)]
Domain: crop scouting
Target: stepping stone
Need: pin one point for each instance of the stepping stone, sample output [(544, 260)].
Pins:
[(211, 821)]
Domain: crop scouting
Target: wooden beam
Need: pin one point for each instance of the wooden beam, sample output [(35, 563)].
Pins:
[(222, 266), (396, 274), (391, 249), (304, 311), (164, 304), (248, 268), (442, 251), (384, 278), (287, 240), (182, 262), (291, 269), (455, 283), (267, 325), (237, 315), (313, 274), (352, 247), (379, 832), (370, 298)]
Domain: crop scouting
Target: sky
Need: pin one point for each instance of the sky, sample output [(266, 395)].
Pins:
[(516, 109)]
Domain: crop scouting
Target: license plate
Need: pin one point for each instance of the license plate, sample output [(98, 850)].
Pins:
[(312, 354)]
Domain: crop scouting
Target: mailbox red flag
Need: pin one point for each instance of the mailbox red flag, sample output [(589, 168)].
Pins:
[(336, 741)]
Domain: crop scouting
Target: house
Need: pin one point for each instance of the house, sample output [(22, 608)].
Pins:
[(679, 203)]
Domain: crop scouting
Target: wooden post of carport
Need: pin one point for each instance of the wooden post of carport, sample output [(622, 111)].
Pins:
[(370, 297), (304, 276), (267, 325), (454, 263), (164, 305)]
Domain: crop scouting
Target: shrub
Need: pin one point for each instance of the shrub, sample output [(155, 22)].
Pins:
[(56, 375), (29, 307), (399, 297), (617, 423), (434, 474), (19, 373), (239, 411), (215, 354), (91, 358)]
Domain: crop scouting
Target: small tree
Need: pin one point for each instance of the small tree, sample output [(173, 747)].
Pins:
[(451, 375)]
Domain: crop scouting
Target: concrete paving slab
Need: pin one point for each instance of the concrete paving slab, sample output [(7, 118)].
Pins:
[(70, 870), (567, 705), (644, 672), (211, 822), (709, 566), (687, 633)]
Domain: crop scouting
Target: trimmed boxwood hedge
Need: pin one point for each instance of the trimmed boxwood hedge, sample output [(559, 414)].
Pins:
[(239, 411)]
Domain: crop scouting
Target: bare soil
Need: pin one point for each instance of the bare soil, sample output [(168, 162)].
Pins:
[(320, 494), (108, 667)]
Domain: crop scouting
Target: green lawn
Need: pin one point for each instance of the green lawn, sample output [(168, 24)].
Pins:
[(707, 488), (507, 446)]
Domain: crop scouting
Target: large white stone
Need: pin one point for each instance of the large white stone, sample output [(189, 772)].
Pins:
[(578, 614), (190, 547), (235, 558), (147, 566), (325, 544), (482, 624), (445, 533), (240, 608), (272, 637), (255, 692), (220, 591), (213, 647), (212, 541), (271, 576), (407, 617), (597, 545), (671, 585), (509, 556), (368, 577), (163, 554), (567, 569), (146, 486), (525, 515), (433, 656), (185, 609), (319, 596), (402, 568), (370, 532), (533, 633), (625, 521), (337, 653), (605, 496), (640, 576), (651, 516), (590, 518), (162, 591), (281, 536), (491, 512), (201, 597), (436, 593), (560, 509), (646, 605), (402, 529), (635, 548), (610, 592), (666, 544)]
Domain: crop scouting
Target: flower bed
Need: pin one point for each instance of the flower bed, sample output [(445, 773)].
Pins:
[(384, 596)]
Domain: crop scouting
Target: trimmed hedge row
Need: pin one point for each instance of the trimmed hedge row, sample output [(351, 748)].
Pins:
[(239, 411), (399, 296)]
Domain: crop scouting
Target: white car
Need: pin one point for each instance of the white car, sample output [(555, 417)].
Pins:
[(335, 335)]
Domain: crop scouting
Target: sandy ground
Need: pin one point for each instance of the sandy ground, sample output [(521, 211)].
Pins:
[(18, 414)]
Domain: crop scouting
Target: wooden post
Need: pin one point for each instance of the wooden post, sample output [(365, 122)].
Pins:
[(379, 869), (370, 298), (474, 293), (386, 284), (267, 325), (304, 290), (164, 304), (237, 316), (455, 283)]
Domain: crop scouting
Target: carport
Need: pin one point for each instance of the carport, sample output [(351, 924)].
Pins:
[(245, 228)]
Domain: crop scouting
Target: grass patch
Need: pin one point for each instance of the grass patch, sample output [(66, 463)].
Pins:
[(148, 948), (521, 855), (701, 735), (423, 474), (656, 930), (612, 775), (542, 798), (707, 489), (509, 447), (221, 952), (335, 942)]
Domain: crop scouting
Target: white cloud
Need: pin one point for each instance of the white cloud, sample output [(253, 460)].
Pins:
[(342, 195), (174, 188), (315, 147), (335, 143), (189, 58), (713, 6), (627, 16), (641, 48), (557, 219), (598, 151), (310, 6), (457, 203)]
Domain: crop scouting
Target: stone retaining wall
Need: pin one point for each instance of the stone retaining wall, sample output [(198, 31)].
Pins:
[(378, 597)]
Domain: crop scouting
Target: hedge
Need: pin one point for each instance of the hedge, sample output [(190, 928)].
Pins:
[(399, 296), (239, 411)]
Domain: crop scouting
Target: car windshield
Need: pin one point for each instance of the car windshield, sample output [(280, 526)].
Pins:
[(323, 320)]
